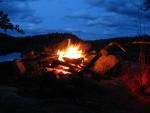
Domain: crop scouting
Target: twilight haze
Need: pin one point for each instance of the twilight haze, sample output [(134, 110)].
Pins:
[(88, 19)]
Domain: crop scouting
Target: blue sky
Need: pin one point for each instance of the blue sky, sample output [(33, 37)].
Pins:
[(88, 19)]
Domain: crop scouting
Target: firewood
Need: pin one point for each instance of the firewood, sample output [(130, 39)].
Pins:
[(73, 61)]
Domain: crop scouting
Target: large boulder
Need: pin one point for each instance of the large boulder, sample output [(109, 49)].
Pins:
[(105, 62)]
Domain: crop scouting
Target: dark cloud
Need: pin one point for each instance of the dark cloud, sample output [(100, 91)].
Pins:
[(112, 20), (80, 31), (20, 11), (17, 0), (81, 15), (95, 2), (129, 8)]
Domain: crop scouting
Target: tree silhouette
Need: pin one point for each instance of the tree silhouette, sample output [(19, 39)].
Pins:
[(5, 23), (146, 5)]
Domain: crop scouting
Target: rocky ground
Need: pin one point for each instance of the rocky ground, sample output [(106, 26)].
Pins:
[(108, 96), (86, 95)]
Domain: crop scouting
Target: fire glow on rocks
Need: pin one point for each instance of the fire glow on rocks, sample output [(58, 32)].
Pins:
[(139, 80)]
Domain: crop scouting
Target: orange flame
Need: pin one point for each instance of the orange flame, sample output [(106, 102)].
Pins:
[(74, 58), (72, 51)]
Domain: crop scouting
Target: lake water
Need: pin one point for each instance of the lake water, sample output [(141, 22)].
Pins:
[(10, 57)]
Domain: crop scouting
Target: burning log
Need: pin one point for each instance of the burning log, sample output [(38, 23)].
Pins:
[(56, 63), (76, 61), (59, 66)]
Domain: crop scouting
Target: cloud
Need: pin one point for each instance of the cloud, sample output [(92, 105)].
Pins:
[(114, 17), (129, 8), (79, 32), (81, 15), (86, 18), (62, 30), (111, 20), (82, 33), (18, 0), (20, 12)]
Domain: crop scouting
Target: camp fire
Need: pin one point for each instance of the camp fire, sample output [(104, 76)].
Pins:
[(70, 60), (73, 51)]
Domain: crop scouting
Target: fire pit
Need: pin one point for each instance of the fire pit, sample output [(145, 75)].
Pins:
[(70, 60)]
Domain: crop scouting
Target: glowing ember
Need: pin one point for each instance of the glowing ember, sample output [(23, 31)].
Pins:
[(63, 67), (59, 71), (72, 51), (144, 78)]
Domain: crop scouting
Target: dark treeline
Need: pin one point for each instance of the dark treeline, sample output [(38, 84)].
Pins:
[(132, 50), (100, 43), (10, 44)]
